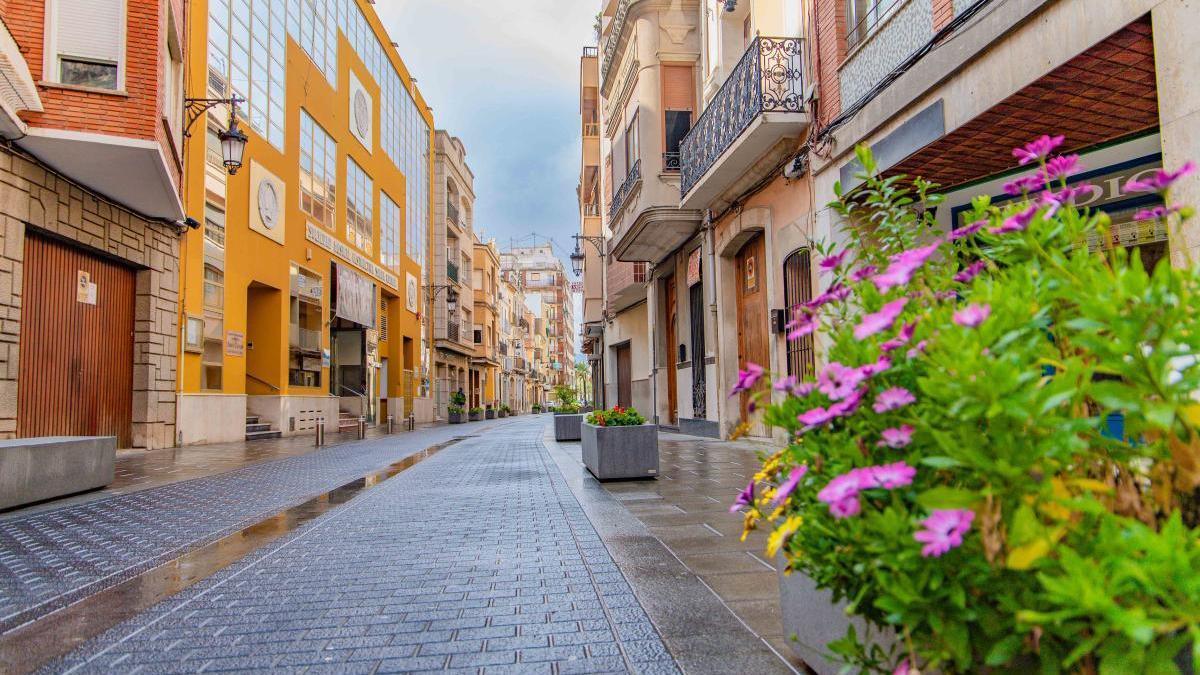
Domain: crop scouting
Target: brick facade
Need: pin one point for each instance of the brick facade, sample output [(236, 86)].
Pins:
[(32, 197), (830, 51), (943, 13)]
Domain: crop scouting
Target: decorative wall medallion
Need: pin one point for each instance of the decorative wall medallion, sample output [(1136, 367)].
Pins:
[(268, 204), (362, 113)]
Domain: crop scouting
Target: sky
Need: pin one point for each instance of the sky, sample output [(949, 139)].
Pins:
[(504, 77)]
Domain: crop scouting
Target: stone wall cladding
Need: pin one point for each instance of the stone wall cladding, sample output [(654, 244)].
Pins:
[(901, 34), (961, 6), (31, 196)]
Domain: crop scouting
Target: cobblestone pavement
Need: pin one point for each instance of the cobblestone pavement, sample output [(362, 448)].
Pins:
[(51, 558), (479, 558)]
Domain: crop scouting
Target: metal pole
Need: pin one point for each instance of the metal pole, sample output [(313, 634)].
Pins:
[(319, 437), (362, 427), (389, 424), (412, 423)]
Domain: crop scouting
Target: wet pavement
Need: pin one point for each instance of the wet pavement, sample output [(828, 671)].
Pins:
[(477, 558)]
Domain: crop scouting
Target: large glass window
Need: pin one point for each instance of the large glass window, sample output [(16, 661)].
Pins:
[(304, 334), (389, 232), (318, 171), (358, 206), (87, 42), (212, 357)]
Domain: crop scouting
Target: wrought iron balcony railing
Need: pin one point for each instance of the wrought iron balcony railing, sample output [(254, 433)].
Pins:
[(591, 52), (671, 162), (769, 78), (635, 175), (452, 214), (591, 210), (452, 271), (452, 331), (591, 129)]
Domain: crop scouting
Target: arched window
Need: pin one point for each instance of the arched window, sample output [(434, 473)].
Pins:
[(797, 290)]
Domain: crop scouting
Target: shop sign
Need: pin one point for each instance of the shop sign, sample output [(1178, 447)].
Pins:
[(693, 267), (235, 343), (325, 239), (355, 297)]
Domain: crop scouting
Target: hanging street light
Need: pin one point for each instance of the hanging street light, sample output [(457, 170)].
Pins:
[(233, 140)]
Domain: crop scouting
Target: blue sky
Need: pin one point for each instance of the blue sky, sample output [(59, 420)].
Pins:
[(503, 76)]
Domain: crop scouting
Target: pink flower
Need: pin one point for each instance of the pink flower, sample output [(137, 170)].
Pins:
[(805, 323), (785, 383), (747, 378), (863, 272), (846, 508), (969, 274), (972, 315), (1161, 180), (788, 486), (873, 369), (804, 389), (849, 405), (744, 498), (837, 381), (896, 437), (1038, 149), (835, 292), (902, 266), (892, 476), (1157, 212), (817, 417), (1016, 222), (893, 399), (834, 261), (841, 488), (918, 349), (1068, 194), (903, 669), (943, 531), (901, 339), (1060, 167), (967, 230), (1023, 185), (881, 320)]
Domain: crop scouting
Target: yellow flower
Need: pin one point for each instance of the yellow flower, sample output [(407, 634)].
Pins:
[(749, 523), (781, 535)]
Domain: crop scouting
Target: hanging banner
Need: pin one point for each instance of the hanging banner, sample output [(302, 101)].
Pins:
[(355, 297), (693, 268)]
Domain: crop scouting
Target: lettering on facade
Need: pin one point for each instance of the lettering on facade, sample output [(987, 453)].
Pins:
[(325, 239), (235, 343)]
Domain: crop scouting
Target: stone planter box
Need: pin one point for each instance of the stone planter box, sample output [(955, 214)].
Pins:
[(489, 414), (815, 620), (33, 469), (456, 418), (474, 416), (567, 426), (613, 453), (501, 414)]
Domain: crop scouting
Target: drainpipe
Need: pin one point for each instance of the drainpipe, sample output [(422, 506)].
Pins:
[(710, 289), (651, 311)]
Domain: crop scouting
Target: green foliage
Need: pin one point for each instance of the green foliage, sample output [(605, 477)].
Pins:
[(616, 417), (476, 411), (455, 409), (458, 398), (565, 396), (1083, 555)]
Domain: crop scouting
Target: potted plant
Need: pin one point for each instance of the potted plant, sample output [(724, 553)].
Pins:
[(618, 443), (455, 414), (567, 418), (503, 412), (955, 475), (475, 414), (537, 409), (489, 412)]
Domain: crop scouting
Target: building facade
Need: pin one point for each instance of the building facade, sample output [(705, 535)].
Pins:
[(485, 363), (92, 118), (453, 250), (547, 292), (301, 290)]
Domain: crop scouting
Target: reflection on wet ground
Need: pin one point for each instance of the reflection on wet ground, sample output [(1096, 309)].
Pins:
[(26, 648)]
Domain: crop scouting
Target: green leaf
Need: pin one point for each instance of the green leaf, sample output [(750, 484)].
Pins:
[(941, 462), (1003, 651), (947, 498)]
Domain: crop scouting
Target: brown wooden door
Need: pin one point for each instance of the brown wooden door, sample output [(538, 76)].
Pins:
[(752, 311), (671, 311), (624, 376), (76, 372)]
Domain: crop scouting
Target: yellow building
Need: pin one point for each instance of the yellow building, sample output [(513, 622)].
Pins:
[(485, 364), (300, 292)]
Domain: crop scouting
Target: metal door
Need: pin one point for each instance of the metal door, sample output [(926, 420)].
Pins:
[(76, 354)]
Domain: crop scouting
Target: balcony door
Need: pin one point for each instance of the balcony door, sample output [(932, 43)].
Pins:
[(624, 363), (752, 313)]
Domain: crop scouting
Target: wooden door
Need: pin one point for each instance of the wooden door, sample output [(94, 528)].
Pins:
[(624, 376), (76, 354), (671, 311), (752, 312)]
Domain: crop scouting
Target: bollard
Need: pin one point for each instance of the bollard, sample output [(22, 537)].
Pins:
[(389, 424), (362, 427), (319, 436), (412, 423)]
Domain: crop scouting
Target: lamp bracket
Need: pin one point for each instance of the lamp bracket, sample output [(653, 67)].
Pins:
[(195, 107)]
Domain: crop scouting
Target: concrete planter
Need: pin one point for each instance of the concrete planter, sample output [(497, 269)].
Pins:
[(489, 414), (501, 414), (455, 418), (33, 469), (474, 416), (567, 426), (815, 620), (613, 453)]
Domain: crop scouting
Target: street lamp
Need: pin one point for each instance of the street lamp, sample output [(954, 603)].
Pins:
[(233, 140), (577, 257)]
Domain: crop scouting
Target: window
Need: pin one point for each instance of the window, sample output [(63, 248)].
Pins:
[(389, 233), (358, 206), (677, 125), (862, 16), (304, 335), (86, 42), (214, 225), (632, 147), (214, 287), (318, 172), (797, 290), (212, 149), (478, 335), (173, 75)]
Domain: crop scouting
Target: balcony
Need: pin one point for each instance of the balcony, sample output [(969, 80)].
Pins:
[(745, 131), (626, 284), (452, 271), (452, 331), (671, 162), (452, 215), (633, 179)]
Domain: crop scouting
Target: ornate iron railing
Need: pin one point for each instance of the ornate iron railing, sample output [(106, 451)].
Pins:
[(671, 162), (769, 78), (452, 331), (451, 271), (614, 36), (452, 214), (590, 52), (635, 175)]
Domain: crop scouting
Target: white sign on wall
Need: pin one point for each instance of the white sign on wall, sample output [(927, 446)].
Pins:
[(355, 297), (325, 239)]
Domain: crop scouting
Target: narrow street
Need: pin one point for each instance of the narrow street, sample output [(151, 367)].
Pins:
[(482, 546)]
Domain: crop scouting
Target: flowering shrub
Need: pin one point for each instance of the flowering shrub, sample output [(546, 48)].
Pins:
[(617, 417), (952, 473)]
